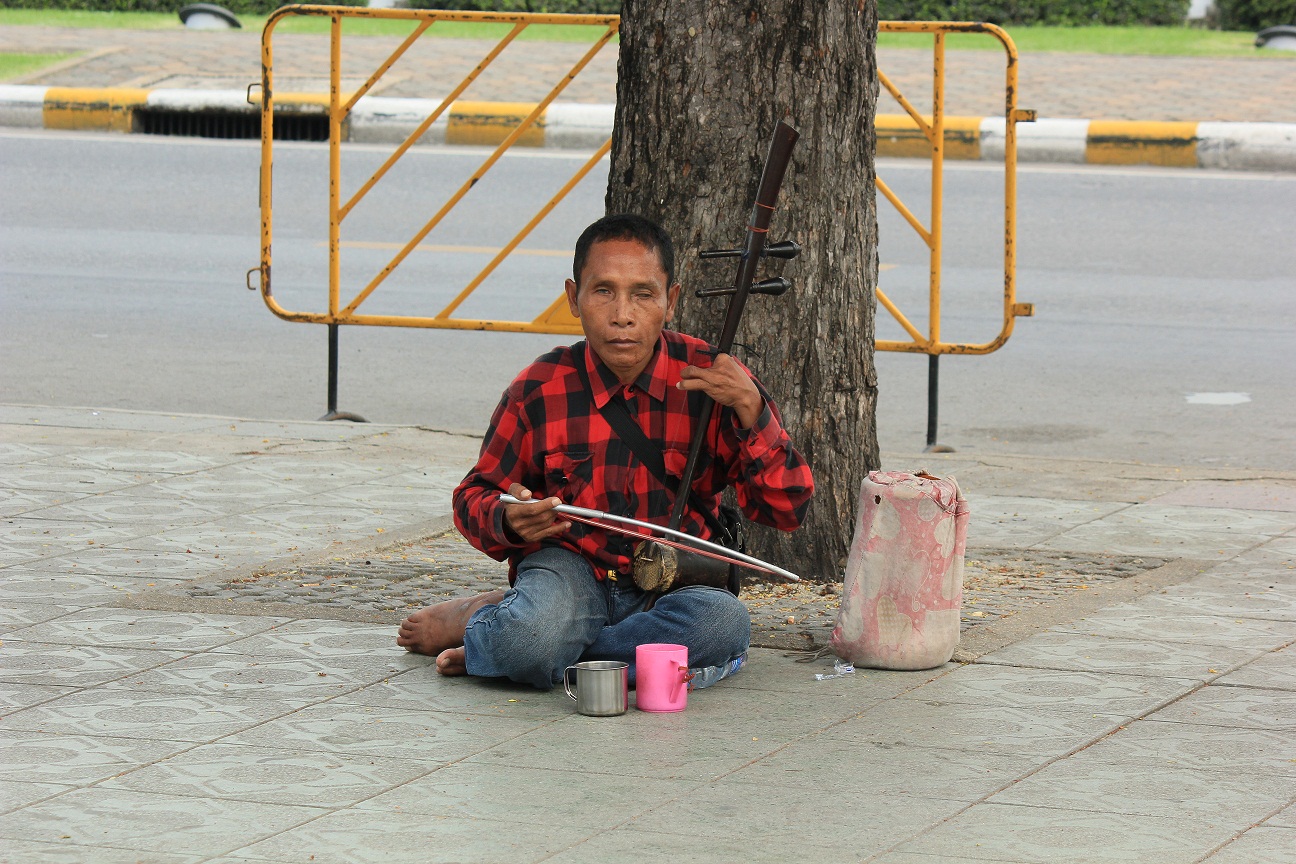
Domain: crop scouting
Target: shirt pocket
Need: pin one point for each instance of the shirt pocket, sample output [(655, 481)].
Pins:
[(570, 476)]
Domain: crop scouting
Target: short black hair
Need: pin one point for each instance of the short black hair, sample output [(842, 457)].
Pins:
[(626, 226)]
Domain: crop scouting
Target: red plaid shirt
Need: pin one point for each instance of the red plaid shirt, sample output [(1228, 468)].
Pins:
[(547, 435)]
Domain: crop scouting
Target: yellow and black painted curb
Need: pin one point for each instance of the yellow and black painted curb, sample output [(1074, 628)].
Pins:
[(1243, 146)]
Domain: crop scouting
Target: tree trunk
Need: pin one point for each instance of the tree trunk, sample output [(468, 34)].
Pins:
[(701, 85)]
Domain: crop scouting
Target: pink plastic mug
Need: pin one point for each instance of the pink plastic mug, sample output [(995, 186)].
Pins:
[(661, 676)]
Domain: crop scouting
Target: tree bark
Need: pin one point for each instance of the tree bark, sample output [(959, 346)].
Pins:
[(701, 85)]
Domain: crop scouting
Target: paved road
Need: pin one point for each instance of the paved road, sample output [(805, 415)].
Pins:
[(122, 267)]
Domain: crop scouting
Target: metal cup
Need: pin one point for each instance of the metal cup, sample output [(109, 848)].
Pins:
[(602, 687)]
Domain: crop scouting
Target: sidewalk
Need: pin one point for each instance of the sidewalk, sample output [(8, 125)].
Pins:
[(1231, 112), (1145, 717)]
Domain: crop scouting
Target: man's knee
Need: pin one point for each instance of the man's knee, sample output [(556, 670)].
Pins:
[(718, 622), (542, 625)]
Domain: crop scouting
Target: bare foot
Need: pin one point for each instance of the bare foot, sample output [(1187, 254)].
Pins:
[(452, 661), (434, 629)]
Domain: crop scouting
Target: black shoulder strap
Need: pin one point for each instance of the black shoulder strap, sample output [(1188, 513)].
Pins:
[(648, 453)]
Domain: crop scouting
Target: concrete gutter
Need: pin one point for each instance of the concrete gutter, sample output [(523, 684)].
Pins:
[(376, 119)]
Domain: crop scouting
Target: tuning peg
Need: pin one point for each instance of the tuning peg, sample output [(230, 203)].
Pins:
[(773, 286), (786, 249)]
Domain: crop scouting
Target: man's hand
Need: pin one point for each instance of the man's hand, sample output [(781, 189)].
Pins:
[(726, 382), (535, 520)]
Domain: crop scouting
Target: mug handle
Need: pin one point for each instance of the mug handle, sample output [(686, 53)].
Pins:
[(567, 684), (685, 677)]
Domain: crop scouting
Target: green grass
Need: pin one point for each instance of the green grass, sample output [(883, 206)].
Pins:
[(1175, 41), (296, 24), (14, 65)]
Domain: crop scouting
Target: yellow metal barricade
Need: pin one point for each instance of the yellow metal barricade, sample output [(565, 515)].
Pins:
[(555, 318), (935, 139), (924, 135)]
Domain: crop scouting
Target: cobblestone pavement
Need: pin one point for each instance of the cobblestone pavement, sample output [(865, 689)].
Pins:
[(1115, 87), (386, 586)]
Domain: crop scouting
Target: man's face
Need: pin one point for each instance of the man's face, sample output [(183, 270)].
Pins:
[(623, 302)]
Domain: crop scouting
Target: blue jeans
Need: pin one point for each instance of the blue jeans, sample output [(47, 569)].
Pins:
[(557, 613)]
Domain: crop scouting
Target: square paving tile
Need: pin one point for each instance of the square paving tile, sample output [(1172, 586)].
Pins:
[(740, 812), (167, 716), (631, 843), (75, 760), (125, 561), (64, 852), (14, 697), (1167, 791), (1262, 844), (1245, 495), (16, 615), (1276, 670), (1186, 745), (584, 802), (1047, 835), (159, 823), (1246, 633), (840, 768), (1249, 708), (1120, 656), (121, 628), (319, 638), (422, 689), (20, 585), (1013, 522), (74, 665), (425, 736), (356, 837), (985, 685), (16, 793), (1285, 819), (1033, 734), (276, 776), (271, 677)]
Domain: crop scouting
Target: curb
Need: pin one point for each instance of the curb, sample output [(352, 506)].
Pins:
[(377, 119)]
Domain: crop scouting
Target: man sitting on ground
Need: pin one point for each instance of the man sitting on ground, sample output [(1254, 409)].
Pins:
[(572, 596)]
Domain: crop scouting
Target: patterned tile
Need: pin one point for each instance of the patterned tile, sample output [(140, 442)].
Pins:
[(1121, 656), (988, 685), (247, 773), (635, 744), (17, 502), (1245, 633), (19, 584), (75, 480), (159, 823), (14, 697), (474, 791), (840, 768), (1247, 707), (356, 837), (75, 760), (237, 675), (1216, 748), (318, 638), (1166, 532), (1262, 844), (1153, 790), (999, 520), (1285, 819), (713, 810), (13, 452), (1245, 495), (631, 843), (1037, 732), (134, 461), (126, 561), (169, 716), (143, 514), (422, 689), (29, 852), (120, 628), (35, 535), (1046, 835), (360, 731), (15, 615), (1276, 670), (1234, 602), (15, 793), (74, 665)]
